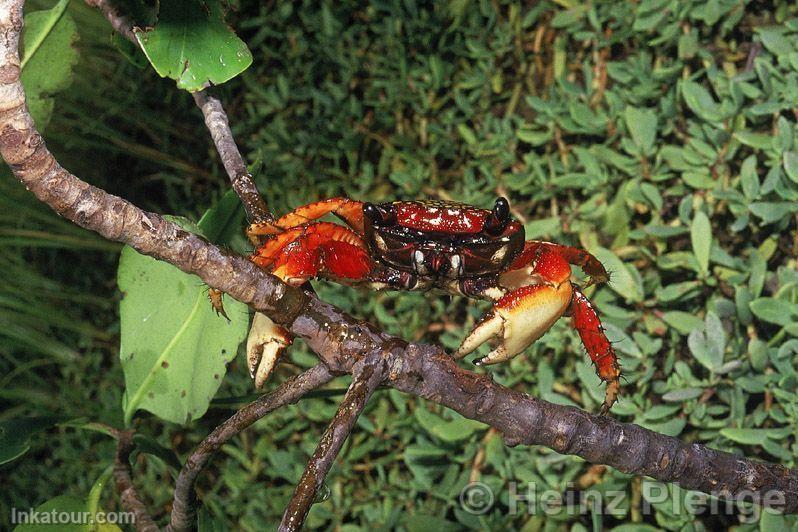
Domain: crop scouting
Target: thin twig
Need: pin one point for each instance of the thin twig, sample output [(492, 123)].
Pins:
[(240, 179), (366, 376), (121, 23), (183, 508), (128, 496)]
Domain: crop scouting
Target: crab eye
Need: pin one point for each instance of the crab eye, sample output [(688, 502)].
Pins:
[(498, 218), (379, 214)]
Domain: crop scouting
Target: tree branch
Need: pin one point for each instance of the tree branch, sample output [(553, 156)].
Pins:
[(240, 179), (366, 376), (183, 511), (121, 23), (341, 341), (128, 496)]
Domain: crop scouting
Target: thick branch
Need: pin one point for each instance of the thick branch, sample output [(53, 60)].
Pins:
[(341, 340), (366, 376), (428, 372), (128, 496), (183, 511)]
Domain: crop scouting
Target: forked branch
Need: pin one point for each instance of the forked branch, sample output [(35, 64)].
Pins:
[(183, 512), (366, 376)]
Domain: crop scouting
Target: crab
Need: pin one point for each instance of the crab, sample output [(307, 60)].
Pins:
[(435, 245)]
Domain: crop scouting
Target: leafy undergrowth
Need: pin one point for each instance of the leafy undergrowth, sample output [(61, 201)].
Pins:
[(660, 135)]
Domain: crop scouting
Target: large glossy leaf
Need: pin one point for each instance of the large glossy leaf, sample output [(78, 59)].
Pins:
[(48, 58), (192, 44), (174, 348)]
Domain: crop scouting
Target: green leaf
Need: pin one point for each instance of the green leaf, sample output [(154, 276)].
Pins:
[(774, 310), (749, 179), (48, 59), (701, 238), (174, 348), (454, 430), (745, 436), (771, 212), (192, 44), (791, 165), (15, 435), (621, 279), (704, 349), (642, 124), (700, 101), (775, 40), (684, 322)]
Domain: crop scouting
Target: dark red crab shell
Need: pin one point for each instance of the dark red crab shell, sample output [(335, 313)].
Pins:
[(442, 239)]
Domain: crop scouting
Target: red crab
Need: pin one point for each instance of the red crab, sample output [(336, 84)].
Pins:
[(424, 245)]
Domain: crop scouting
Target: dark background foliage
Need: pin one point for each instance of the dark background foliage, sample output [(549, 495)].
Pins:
[(659, 134)]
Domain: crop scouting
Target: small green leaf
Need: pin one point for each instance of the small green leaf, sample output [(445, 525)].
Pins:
[(701, 238), (48, 59), (454, 430), (681, 395), (621, 279), (642, 124), (700, 101), (467, 134), (192, 44), (791, 165), (771, 212), (745, 436), (774, 310), (749, 178), (775, 40), (684, 322)]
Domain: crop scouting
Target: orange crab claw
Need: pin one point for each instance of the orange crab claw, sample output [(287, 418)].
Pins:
[(526, 312), (301, 253)]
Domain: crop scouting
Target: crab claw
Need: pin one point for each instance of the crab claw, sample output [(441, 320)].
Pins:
[(265, 345), (518, 319)]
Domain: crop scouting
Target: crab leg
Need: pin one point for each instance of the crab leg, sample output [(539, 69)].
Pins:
[(347, 210), (576, 256), (599, 349)]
